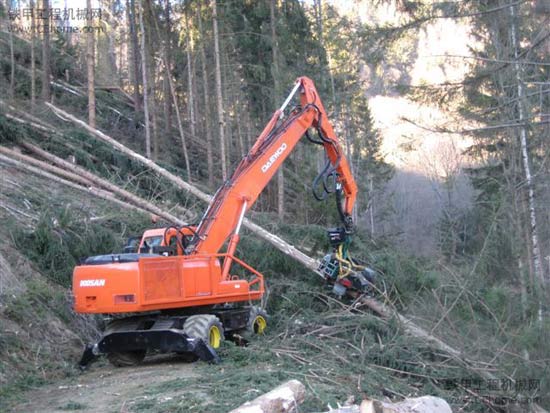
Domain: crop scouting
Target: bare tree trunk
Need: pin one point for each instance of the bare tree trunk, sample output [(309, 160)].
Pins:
[(151, 77), (207, 128), (154, 119), (33, 57), (277, 94), (90, 65), (228, 95), (191, 97), (46, 53), (45, 166), (537, 257), (131, 5), (180, 127), (12, 58), (111, 49), (53, 178), (144, 76), (166, 86), (242, 149), (174, 98), (219, 97), (371, 206), (424, 404), (248, 127)]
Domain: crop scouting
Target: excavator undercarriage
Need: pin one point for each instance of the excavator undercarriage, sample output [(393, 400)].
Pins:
[(194, 333)]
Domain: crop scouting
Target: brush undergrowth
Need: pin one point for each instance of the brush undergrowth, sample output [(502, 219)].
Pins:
[(59, 241)]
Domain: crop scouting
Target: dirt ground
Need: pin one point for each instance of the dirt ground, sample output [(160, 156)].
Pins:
[(158, 384)]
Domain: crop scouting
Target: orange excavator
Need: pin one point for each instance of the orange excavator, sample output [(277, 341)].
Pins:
[(177, 292)]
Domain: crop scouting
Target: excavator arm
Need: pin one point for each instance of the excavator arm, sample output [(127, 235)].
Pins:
[(191, 280), (278, 139)]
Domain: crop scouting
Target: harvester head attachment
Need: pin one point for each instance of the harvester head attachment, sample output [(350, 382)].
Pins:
[(341, 270)]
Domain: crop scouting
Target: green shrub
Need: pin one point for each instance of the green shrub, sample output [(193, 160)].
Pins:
[(59, 241)]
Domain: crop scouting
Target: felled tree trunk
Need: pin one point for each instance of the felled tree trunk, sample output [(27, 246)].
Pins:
[(53, 178), (77, 172), (282, 399)]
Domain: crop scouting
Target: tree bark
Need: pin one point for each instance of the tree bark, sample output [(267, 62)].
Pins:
[(537, 257), (425, 404), (90, 65), (44, 166), (131, 5), (46, 70), (151, 80), (277, 96), (282, 399), (166, 86), (33, 57), (144, 72), (75, 173), (207, 128), (53, 178), (219, 97), (12, 59), (190, 94)]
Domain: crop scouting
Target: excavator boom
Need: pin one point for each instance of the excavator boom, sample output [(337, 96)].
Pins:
[(257, 168)]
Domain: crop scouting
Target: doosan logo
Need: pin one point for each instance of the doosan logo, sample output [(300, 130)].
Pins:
[(92, 283), (274, 157)]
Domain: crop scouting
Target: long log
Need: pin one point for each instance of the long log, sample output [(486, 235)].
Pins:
[(378, 307), (282, 399), (89, 181), (78, 171), (89, 190), (44, 166)]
